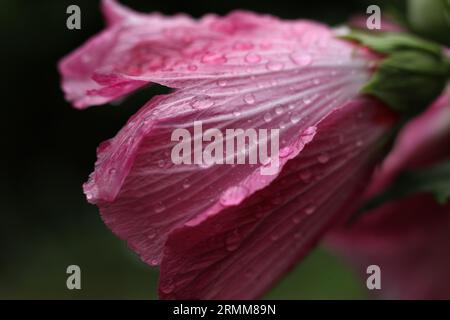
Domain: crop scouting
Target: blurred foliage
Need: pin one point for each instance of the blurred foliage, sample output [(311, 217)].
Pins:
[(49, 150)]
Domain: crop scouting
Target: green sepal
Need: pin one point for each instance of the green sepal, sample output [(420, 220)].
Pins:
[(434, 180), (412, 74)]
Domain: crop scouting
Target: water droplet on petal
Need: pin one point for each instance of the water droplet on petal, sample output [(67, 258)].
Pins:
[(295, 118), (186, 184), (161, 163), (233, 195), (243, 45), (310, 210), (323, 158), (274, 66), (252, 58), (301, 59), (237, 113), (297, 218), (222, 83), (151, 234), (167, 287), (192, 67), (201, 102), (305, 176), (285, 152), (267, 117), (279, 110), (160, 208), (274, 237), (233, 240), (153, 262), (249, 98), (214, 58)]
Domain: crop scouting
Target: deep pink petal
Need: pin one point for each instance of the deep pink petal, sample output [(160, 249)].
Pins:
[(409, 238), (237, 249)]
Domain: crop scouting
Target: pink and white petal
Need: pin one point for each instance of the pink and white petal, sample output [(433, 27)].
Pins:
[(181, 52), (138, 188), (419, 144), (246, 240)]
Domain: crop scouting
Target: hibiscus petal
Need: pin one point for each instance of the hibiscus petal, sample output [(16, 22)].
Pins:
[(407, 238), (136, 49), (138, 188), (237, 251)]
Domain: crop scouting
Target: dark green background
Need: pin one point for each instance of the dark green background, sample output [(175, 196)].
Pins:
[(48, 150)]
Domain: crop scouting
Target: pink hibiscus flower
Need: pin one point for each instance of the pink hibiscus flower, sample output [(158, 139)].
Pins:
[(407, 238), (228, 231)]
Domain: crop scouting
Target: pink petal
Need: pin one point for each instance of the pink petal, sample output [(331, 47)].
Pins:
[(180, 52), (140, 191), (407, 238), (238, 251)]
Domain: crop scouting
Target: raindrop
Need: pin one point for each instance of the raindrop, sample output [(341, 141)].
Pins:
[(274, 66), (167, 287), (274, 237), (285, 152), (192, 67), (151, 234), (237, 113), (214, 58), (233, 240), (243, 45), (186, 184), (153, 262), (323, 158), (160, 208), (112, 171), (201, 102), (297, 219), (295, 118), (161, 163), (305, 176), (301, 59), (222, 83), (307, 100), (233, 196), (252, 58), (267, 117), (279, 110), (249, 98), (310, 210)]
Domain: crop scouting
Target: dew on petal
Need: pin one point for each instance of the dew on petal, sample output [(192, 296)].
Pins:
[(301, 59), (192, 67), (243, 45), (160, 208), (233, 196), (323, 158), (310, 210), (252, 58), (249, 98), (222, 83), (267, 117), (233, 241), (274, 66), (279, 110), (201, 102), (214, 58)]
